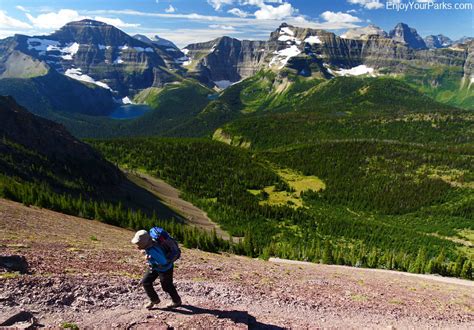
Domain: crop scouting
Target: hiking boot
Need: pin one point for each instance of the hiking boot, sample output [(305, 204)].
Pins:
[(175, 304), (151, 304)]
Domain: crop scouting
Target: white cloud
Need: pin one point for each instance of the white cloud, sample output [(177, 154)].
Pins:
[(7, 22), (238, 12), (257, 28), (54, 20), (269, 12), (21, 8), (170, 9), (117, 22), (222, 27), (339, 17), (184, 37), (368, 4), (218, 4)]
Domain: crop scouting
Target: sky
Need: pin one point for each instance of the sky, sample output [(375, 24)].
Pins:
[(190, 21)]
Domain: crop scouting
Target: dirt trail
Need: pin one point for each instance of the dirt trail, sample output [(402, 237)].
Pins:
[(171, 196), (87, 273)]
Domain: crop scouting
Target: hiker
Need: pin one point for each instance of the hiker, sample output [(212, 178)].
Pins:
[(159, 266)]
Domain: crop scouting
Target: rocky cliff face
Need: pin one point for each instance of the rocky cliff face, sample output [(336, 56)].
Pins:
[(224, 60)]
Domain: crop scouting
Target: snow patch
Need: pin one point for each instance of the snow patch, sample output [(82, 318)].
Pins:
[(289, 39), (328, 68), (284, 55), (43, 46), (102, 47), (313, 40), (78, 75), (118, 60), (184, 60), (287, 30), (185, 51), (69, 51), (223, 84), (356, 71), (126, 100)]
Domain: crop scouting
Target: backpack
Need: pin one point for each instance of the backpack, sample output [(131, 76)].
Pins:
[(166, 242)]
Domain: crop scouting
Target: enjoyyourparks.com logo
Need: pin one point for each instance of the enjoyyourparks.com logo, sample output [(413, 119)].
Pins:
[(400, 5)]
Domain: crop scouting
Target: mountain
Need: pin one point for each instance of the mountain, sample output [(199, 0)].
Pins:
[(317, 53), (224, 60), (464, 40), (320, 54), (439, 41), (82, 72), (407, 35), (157, 40), (364, 32), (94, 52)]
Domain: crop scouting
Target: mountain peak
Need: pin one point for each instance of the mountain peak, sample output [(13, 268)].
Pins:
[(364, 32), (407, 35), (87, 22), (438, 41)]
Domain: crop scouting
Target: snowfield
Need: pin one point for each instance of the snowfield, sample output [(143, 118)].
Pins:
[(356, 71), (78, 75), (283, 56), (44, 46), (313, 40)]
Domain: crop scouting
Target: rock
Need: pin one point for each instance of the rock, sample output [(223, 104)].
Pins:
[(14, 263), (19, 320)]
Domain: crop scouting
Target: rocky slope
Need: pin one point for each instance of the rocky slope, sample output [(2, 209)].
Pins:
[(87, 274)]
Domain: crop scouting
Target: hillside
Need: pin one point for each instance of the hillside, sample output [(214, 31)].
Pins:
[(86, 273), (354, 100), (376, 204), (43, 164)]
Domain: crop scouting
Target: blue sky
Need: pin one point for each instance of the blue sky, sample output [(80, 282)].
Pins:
[(187, 21)]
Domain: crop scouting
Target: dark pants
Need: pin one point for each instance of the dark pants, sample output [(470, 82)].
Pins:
[(166, 280)]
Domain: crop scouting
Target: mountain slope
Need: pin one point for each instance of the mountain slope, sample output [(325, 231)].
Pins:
[(42, 164), (36, 142), (218, 290), (267, 92), (51, 94)]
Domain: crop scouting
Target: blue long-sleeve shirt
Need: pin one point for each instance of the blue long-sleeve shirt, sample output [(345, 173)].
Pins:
[(157, 259)]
